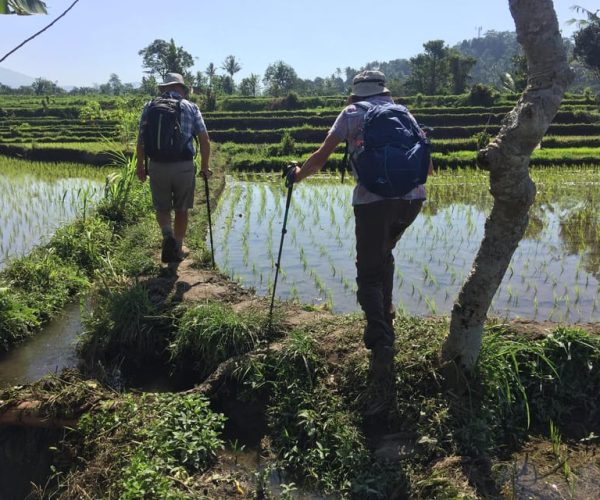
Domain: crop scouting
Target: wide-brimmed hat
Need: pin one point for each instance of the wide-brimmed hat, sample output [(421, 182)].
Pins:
[(368, 83), (172, 79)]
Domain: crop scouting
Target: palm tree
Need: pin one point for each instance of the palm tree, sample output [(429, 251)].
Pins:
[(211, 71), (231, 66), (592, 17)]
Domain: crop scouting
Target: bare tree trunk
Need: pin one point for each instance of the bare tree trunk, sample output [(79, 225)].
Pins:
[(507, 159)]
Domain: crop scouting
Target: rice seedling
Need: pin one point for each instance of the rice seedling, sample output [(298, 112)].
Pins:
[(36, 199), (435, 254)]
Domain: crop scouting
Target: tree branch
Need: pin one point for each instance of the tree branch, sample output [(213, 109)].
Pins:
[(39, 32)]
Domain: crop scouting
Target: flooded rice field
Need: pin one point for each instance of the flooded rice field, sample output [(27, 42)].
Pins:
[(36, 200), (554, 274)]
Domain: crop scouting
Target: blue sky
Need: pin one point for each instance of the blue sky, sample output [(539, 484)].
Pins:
[(98, 38)]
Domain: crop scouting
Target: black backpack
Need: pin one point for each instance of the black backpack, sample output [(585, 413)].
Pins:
[(395, 158), (163, 140)]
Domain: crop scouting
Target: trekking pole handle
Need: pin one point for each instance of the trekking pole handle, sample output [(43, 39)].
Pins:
[(289, 173)]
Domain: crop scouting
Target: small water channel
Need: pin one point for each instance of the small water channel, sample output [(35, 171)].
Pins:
[(50, 351), (35, 200), (553, 276)]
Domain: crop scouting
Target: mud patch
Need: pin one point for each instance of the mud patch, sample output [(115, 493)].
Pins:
[(25, 459), (546, 471)]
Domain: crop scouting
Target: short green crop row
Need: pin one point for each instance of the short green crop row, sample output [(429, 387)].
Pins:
[(542, 157)]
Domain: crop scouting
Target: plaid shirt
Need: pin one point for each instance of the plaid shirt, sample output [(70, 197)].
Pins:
[(191, 119)]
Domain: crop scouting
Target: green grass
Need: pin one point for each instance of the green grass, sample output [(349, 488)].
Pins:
[(43, 282), (208, 334)]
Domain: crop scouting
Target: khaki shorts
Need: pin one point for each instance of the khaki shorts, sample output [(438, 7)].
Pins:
[(172, 185)]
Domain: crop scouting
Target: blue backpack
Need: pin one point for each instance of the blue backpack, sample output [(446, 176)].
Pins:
[(395, 158)]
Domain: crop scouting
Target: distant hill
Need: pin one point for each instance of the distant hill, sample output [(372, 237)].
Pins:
[(493, 52), (13, 79)]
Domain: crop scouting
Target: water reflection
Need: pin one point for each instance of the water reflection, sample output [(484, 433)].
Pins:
[(32, 208), (553, 274), (49, 351)]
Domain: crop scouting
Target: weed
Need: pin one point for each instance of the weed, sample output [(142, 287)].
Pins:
[(208, 334), (146, 447)]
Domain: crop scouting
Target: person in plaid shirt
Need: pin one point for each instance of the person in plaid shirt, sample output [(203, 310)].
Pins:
[(173, 183)]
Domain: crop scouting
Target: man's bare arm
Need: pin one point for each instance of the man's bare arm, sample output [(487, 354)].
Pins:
[(204, 140), (318, 159)]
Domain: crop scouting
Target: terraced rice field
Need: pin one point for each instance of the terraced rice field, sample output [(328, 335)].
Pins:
[(554, 274), (35, 199)]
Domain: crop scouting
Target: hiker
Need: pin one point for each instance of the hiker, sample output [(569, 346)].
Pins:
[(380, 222), (168, 126)]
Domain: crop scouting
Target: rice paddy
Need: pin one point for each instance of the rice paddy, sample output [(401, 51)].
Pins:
[(554, 274), (36, 199)]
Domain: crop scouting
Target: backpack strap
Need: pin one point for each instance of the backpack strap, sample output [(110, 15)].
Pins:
[(366, 105)]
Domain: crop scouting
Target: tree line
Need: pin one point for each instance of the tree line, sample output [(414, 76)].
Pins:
[(494, 59)]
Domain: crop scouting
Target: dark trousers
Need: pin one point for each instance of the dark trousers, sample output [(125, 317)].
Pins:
[(379, 226)]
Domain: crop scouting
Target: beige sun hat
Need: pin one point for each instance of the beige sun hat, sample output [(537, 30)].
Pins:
[(368, 83), (172, 79)]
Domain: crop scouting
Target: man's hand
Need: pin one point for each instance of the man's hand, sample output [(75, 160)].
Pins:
[(206, 173), (290, 173), (141, 172)]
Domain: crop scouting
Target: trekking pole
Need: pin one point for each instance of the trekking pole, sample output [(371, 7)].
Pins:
[(289, 184), (207, 195), (345, 162)]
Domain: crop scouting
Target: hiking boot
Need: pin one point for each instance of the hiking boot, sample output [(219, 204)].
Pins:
[(182, 254), (169, 250), (382, 380), (390, 317)]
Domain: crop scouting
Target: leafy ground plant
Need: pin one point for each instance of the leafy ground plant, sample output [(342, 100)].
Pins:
[(148, 446)]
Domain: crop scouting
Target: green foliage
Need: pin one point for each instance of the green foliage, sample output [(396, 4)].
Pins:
[(250, 85), (439, 70), (91, 111), (566, 394), (149, 445), (313, 432), (83, 243), (482, 139), (482, 95), (161, 57), (125, 199), (44, 282), (209, 334), (279, 79), (231, 65), (23, 7), (493, 51), (287, 144), (135, 251), (587, 44), (317, 438), (122, 327), (291, 101), (16, 320)]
